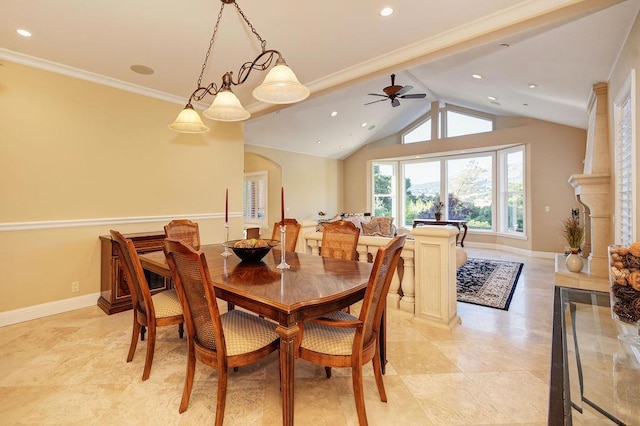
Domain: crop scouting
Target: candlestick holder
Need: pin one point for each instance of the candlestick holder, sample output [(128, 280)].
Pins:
[(226, 252), (283, 235)]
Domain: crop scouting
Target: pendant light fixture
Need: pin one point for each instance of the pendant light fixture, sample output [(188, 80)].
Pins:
[(280, 86)]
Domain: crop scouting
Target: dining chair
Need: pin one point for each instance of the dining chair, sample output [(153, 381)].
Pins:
[(253, 233), (340, 240), (343, 340), (183, 230), (222, 341), (150, 311), (291, 233)]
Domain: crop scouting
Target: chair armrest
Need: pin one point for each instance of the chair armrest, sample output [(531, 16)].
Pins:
[(332, 322)]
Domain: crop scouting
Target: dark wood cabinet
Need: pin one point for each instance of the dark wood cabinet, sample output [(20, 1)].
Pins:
[(114, 289)]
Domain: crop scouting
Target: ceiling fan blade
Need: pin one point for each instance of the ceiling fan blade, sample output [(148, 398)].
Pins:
[(377, 94), (395, 103), (404, 90), (379, 100), (414, 96)]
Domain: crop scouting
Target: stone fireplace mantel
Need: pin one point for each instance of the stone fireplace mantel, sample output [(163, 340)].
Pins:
[(593, 190)]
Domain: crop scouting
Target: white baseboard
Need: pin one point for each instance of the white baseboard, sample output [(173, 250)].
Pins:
[(46, 309), (515, 250)]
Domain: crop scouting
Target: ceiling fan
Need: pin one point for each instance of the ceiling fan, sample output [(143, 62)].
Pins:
[(394, 92)]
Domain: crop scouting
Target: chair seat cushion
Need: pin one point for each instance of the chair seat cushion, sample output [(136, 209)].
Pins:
[(243, 332), (329, 340), (167, 304)]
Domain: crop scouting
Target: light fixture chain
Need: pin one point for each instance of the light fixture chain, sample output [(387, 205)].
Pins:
[(213, 37), (263, 43)]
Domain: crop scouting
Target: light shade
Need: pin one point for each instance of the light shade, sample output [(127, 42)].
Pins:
[(281, 86), (226, 107), (188, 121)]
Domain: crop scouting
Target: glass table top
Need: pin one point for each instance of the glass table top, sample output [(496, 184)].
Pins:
[(595, 375)]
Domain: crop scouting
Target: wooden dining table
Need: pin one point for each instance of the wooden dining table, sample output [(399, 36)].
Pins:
[(312, 287)]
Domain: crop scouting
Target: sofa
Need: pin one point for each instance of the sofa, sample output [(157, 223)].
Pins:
[(370, 226), (380, 226)]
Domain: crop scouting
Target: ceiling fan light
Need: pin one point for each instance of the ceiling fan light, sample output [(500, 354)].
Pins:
[(281, 86), (226, 107), (188, 121)]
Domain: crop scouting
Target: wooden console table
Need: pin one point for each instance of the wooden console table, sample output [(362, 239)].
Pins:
[(456, 223), (114, 290)]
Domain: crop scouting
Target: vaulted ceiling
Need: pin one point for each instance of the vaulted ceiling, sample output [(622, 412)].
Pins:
[(342, 50)]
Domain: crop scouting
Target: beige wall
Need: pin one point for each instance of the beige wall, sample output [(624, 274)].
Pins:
[(311, 184), (90, 158), (628, 60), (258, 163), (554, 153)]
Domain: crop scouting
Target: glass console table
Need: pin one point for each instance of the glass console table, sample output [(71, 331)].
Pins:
[(595, 377)]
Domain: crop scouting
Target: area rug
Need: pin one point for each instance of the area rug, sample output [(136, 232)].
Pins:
[(488, 282)]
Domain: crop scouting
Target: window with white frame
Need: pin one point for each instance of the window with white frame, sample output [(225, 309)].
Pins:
[(421, 188), (460, 124), (452, 121), (255, 198), (384, 189), (512, 191), (467, 185), (420, 133), (470, 189), (624, 162)]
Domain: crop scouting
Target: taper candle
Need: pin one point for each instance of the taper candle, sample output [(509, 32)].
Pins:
[(226, 206), (282, 205)]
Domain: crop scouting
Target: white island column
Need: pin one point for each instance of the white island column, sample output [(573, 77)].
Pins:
[(435, 269)]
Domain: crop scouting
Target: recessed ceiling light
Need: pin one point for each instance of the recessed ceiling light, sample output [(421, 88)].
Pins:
[(386, 11), (478, 76), (334, 113), (504, 45), (532, 85), (526, 105), (363, 125), (492, 98), (318, 141), (142, 69), (341, 146), (23, 33)]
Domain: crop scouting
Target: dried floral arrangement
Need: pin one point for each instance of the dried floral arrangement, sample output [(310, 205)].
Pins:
[(573, 232)]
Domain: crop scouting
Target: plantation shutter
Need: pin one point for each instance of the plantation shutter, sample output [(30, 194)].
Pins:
[(255, 198), (624, 165)]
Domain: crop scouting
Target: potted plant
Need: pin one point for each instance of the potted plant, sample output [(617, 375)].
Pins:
[(438, 207), (574, 234)]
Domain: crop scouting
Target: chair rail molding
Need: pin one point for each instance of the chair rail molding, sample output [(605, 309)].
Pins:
[(74, 223)]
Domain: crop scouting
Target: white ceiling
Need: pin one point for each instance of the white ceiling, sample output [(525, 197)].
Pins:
[(342, 50)]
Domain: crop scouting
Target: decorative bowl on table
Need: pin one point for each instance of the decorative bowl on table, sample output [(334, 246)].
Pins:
[(251, 250), (624, 283)]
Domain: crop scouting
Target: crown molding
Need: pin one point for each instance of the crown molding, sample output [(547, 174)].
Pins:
[(54, 67)]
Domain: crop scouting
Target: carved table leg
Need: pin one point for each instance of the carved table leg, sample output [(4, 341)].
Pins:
[(464, 225), (287, 363)]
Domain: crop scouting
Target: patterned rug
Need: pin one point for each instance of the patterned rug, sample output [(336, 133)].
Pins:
[(488, 282)]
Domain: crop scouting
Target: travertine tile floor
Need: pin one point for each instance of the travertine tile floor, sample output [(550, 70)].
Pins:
[(70, 369)]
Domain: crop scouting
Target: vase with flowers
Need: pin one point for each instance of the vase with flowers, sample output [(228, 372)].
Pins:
[(574, 234), (438, 208)]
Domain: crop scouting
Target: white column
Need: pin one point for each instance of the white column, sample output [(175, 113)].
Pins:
[(315, 247), (408, 301), (363, 252), (435, 266), (306, 227)]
